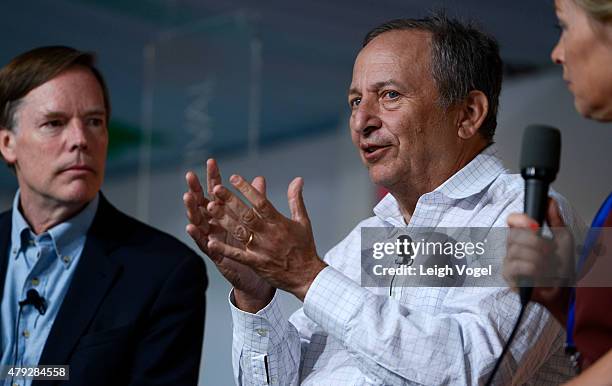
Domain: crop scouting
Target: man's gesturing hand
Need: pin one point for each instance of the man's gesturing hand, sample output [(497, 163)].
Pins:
[(278, 249), (251, 292)]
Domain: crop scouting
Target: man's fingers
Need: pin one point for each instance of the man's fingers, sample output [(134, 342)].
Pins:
[(251, 220), (213, 176), (193, 183), (197, 215), (221, 213), (193, 214), (259, 183), (236, 227), (296, 201), (219, 248), (200, 239), (260, 203), (242, 212)]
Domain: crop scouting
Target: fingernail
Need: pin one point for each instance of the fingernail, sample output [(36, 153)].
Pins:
[(234, 179)]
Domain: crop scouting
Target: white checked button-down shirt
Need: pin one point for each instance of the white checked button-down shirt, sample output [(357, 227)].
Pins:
[(346, 334)]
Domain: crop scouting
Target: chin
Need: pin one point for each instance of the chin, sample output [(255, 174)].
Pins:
[(600, 115), (582, 108), (79, 194), (596, 111), (381, 177)]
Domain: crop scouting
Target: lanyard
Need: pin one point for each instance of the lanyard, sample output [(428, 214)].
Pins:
[(592, 236)]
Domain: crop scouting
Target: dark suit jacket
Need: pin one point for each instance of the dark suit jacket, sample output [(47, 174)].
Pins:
[(134, 312)]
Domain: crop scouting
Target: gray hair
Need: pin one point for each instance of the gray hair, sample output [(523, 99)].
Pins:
[(463, 59)]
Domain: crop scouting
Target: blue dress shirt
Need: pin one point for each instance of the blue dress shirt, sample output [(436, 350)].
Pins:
[(46, 263)]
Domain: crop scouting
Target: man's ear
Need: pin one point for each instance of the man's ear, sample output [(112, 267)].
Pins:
[(473, 113), (8, 145)]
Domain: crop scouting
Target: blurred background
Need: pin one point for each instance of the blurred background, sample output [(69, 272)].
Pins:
[(261, 86)]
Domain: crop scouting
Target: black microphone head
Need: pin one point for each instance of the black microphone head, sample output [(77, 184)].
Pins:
[(32, 294), (405, 256), (541, 150), (34, 298)]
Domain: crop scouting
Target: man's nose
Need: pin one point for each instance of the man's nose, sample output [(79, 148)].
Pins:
[(77, 135), (366, 117)]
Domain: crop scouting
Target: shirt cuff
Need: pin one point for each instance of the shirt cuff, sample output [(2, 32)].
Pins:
[(262, 331), (333, 300)]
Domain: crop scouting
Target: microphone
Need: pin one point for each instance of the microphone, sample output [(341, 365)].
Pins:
[(541, 150), (33, 298), (406, 256)]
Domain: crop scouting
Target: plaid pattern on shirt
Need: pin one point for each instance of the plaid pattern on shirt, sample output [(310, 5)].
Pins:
[(349, 335)]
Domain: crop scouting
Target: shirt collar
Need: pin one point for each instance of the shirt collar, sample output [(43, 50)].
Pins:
[(67, 237), (388, 211), (472, 179)]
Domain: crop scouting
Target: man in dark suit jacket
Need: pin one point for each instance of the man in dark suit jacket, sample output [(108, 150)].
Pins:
[(130, 310)]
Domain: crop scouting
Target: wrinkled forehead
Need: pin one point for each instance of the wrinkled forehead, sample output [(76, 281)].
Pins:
[(75, 88), (74, 92), (396, 52)]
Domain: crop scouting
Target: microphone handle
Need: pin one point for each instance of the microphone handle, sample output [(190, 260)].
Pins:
[(536, 201)]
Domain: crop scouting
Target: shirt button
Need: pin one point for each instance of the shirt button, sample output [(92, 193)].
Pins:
[(26, 334), (66, 259), (261, 331), (35, 281)]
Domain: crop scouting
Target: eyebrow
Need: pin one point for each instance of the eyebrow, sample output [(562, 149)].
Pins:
[(377, 86), (94, 111)]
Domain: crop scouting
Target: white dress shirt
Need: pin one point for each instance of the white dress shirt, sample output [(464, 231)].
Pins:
[(346, 334)]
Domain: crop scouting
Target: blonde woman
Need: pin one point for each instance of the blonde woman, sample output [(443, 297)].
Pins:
[(585, 52)]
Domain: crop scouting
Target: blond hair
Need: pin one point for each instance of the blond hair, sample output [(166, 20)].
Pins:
[(600, 10)]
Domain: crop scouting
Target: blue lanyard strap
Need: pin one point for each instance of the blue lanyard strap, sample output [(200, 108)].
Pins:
[(592, 236)]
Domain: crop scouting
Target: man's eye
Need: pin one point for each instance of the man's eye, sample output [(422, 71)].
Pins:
[(54, 123), (391, 94), (355, 102), (96, 122)]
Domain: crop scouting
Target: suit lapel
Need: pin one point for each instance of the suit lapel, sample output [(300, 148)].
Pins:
[(5, 240), (92, 280)]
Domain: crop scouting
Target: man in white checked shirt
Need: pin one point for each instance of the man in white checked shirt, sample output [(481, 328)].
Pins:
[(424, 98)]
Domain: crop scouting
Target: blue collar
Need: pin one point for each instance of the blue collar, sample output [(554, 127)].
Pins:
[(66, 237)]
